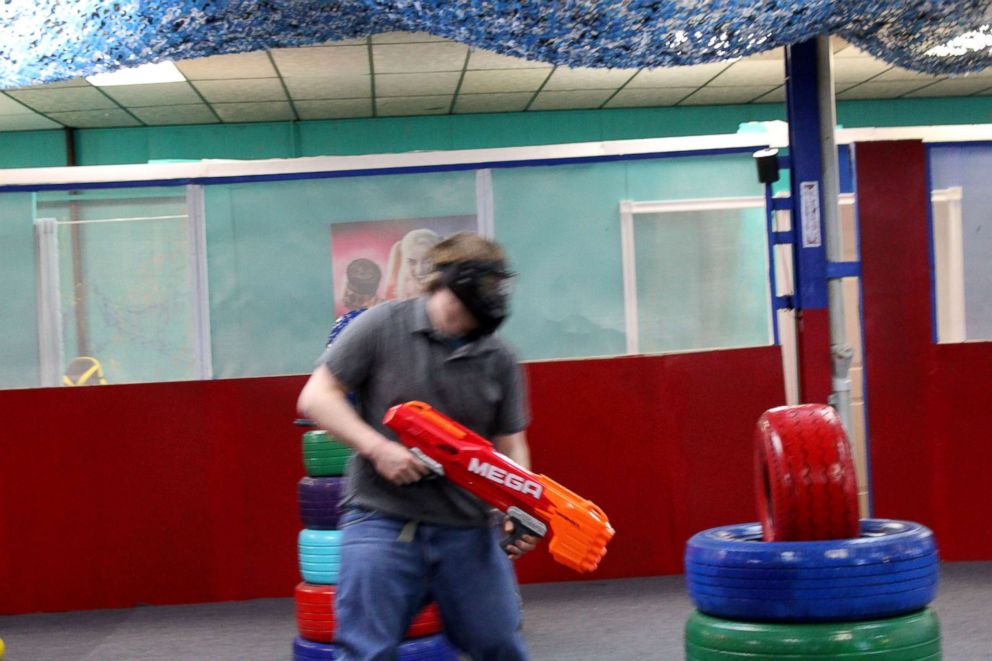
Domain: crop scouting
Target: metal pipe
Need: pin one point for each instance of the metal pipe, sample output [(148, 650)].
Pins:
[(76, 243), (840, 350)]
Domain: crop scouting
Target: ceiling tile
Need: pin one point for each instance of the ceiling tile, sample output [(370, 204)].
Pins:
[(483, 59), (265, 111), (322, 61), (750, 73), (850, 51), (690, 76), (511, 102), (357, 41), (724, 95), (887, 90), (838, 43), (954, 87), (416, 84), (198, 113), (413, 105), (334, 109), (575, 99), (857, 69), (88, 119), (153, 94), (777, 95), (29, 122), (8, 106), (404, 37), (985, 73), (419, 58), (329, 87), (220, 67), (584, 78), (898, 73), (503, 80), (63, 99), (241, 91), (630, 97), (770, 54), (71, 82)]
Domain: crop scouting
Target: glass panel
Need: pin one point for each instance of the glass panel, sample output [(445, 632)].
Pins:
[(125, 284), (561, 227), (18, 313), (278, 251), (962, 215), (702, 279)]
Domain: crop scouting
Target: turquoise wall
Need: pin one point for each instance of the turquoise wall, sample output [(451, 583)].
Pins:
[(402, 134)]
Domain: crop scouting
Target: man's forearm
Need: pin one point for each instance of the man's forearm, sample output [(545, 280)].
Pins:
[(515, 447), (326, 403)]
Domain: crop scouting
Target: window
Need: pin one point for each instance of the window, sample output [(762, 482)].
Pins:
[(695, 274)]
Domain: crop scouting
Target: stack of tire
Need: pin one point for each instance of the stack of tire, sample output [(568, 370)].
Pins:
[(319, 493), (811, 580)]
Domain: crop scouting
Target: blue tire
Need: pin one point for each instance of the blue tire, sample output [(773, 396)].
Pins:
[(890, 570), (320, 556), (431, 648)]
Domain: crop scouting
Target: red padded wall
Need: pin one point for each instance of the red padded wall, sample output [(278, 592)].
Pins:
[(892, 215), (928, 405), (114, 496)]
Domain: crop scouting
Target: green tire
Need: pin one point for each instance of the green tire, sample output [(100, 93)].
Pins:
[(323, 456), (913, 637)]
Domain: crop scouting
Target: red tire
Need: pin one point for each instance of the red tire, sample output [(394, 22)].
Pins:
[(316, 621), (427, 623), (315, 612), (807, 488)]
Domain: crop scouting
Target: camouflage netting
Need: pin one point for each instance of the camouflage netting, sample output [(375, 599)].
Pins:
[(49, 41)]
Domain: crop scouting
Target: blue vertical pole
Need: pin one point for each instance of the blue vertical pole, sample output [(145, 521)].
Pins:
[(809, 253)]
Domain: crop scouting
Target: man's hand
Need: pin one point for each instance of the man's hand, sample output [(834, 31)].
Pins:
[(396, 463), (525, 544)]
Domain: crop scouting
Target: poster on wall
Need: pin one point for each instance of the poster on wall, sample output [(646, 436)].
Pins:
[(381, 260)]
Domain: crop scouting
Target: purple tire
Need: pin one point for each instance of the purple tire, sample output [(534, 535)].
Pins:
[(319, 499)]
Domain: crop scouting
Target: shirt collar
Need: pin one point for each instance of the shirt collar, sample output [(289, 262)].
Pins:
[(422, 324)]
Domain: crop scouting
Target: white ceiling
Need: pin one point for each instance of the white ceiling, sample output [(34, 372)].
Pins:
[(399, 74)]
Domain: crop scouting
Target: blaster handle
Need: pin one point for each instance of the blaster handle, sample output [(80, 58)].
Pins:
[(523, 524)]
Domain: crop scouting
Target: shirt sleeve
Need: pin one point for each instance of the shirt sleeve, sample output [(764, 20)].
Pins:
[(514, 411), (352, 356)]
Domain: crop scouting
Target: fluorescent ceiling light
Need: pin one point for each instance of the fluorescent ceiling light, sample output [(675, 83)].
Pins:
[(969, 41), (161, 72)]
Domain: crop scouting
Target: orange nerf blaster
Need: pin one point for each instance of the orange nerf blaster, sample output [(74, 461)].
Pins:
[(580, 530)]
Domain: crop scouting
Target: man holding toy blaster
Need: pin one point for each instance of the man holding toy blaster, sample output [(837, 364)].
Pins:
[(406, 539)]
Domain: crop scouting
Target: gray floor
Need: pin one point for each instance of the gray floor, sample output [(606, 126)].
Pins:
[(634, 619)]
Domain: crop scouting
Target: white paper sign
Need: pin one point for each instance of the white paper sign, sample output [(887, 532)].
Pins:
[(810, 197)]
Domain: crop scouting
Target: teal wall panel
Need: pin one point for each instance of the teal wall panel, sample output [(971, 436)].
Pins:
[(404, 134), (33, 149)]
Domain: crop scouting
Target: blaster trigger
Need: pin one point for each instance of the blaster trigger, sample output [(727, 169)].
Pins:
[(523, 524)]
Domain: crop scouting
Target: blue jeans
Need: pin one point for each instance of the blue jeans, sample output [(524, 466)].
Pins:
[(385, 580)]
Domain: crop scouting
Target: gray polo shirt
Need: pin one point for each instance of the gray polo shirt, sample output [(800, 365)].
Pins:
[(390, 355)]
